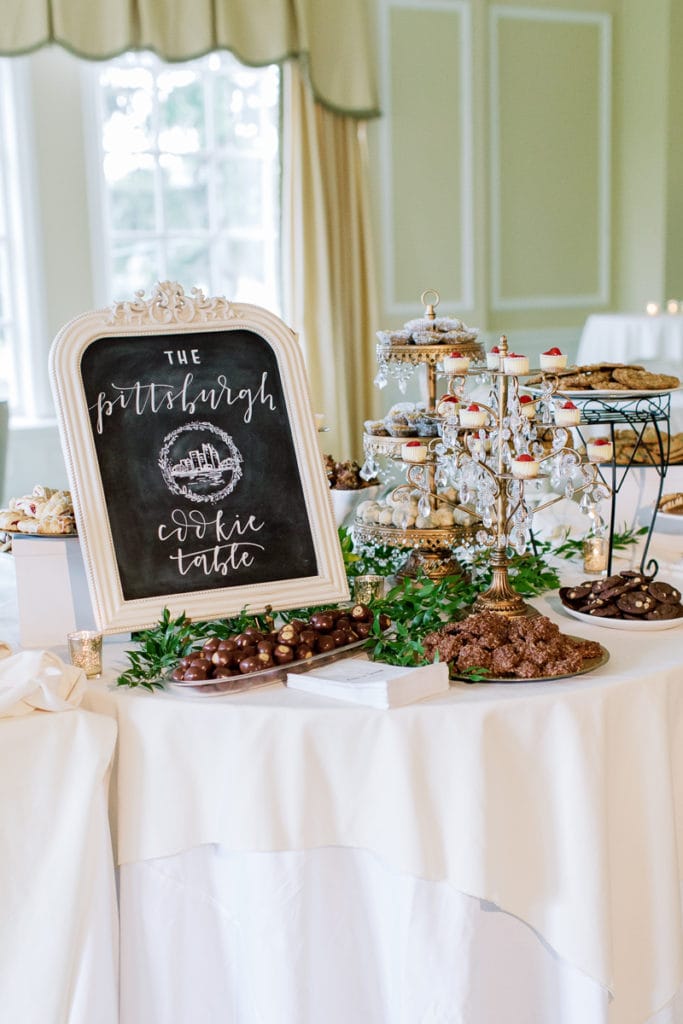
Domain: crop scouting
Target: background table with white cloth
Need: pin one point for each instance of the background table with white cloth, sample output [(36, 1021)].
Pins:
[(508, 852), (58, 902), (59, 918), (655, 342)]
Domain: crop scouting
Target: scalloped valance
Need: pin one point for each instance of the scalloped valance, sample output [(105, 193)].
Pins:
[(331, 40)]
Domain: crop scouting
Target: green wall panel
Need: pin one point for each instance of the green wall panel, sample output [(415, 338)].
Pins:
[(546, 133), (426, 155)]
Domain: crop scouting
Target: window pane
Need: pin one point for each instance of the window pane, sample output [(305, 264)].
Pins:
[(241, 264), (128, 121), (243, 103), (181, 112), (240, 195), (190, 156), (131, 193), (186, 197), (189, 264), (135, 265), (4, 283)]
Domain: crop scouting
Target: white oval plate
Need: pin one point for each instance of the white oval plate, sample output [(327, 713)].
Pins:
[(534, 389), (646, 626), (671, 517)]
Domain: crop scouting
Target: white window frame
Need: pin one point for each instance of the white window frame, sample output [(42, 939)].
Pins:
[(99, 227), (30, 397)]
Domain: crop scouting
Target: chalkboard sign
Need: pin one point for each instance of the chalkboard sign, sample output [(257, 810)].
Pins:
[(193, 459)]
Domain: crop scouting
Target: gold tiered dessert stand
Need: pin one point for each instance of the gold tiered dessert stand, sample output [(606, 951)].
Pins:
[(431, 550)]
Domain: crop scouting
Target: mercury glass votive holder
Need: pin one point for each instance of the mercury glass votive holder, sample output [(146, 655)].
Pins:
[(368, 588), (85, 651), (595, 554)]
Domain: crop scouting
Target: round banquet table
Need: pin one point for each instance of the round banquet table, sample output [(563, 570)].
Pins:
[(506, 852), (59, 919), (655, 342)]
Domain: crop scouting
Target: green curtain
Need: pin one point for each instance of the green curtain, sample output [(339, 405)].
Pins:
[(330, 39)]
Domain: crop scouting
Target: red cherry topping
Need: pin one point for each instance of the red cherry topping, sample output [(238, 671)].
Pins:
[(525, 398), (601, 440), (413, 444), (495, 350), (455, 355), (473, 408), (448, 398), (553, 352), (524, 458), (569, 405)]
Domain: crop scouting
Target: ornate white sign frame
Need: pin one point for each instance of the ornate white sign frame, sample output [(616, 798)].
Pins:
[(170, 310)]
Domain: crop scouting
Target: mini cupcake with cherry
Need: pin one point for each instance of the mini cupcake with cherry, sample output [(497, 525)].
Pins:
[(567, 414), (528, 406), (414, 451), (599, 449), (493, 358), (455, 362), (515, 363), (524, 466), (473, 416), (448, 406), (553, 359)]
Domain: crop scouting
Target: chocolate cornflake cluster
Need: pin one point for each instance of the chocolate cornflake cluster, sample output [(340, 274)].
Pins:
[(628, 595), (298, 640), (344, 476), (509, 648)]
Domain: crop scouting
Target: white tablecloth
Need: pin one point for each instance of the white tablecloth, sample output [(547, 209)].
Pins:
[(560, 804), (655, 342), (58, 913), (626, 338)]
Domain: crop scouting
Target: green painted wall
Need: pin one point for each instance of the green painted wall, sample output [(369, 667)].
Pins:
[(557, 94)]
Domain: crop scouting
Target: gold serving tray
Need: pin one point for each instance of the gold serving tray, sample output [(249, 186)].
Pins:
[(588, 666)]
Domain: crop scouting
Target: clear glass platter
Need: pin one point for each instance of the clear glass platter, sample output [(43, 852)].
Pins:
[(252, 680)]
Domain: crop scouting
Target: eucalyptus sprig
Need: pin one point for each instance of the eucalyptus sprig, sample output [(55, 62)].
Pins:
[(417, 607), (475, 674), (530, 574), (158, 650), (570, 547), (159, 647)]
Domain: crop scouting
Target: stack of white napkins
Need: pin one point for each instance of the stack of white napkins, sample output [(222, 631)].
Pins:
[(373, 683), (38, 681)]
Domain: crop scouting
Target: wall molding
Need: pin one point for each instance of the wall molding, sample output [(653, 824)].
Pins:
[(603, 24), (465, 301)]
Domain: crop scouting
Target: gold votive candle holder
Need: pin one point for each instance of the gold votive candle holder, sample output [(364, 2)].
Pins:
[(368, 588), (595, 554), (85, 651)]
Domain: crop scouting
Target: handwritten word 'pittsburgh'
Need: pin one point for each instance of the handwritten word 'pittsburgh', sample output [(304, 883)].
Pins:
[(152, 398)]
